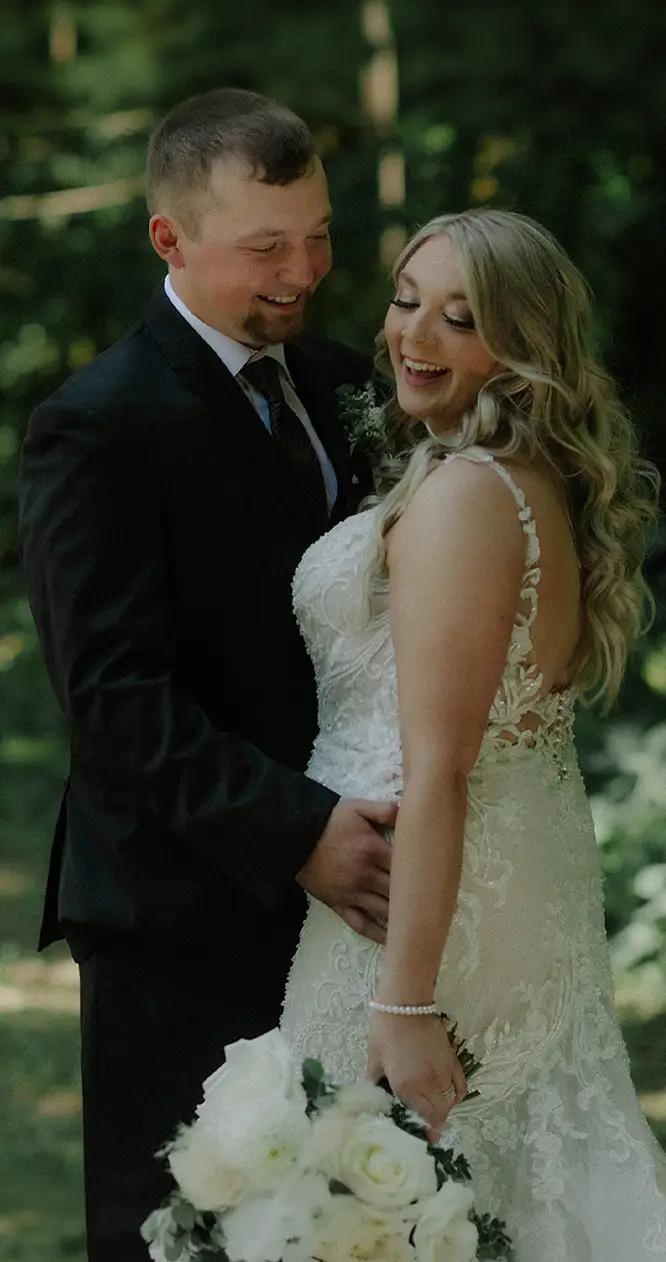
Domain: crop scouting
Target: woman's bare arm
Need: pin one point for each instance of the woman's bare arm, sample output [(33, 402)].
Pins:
[(456, 560)]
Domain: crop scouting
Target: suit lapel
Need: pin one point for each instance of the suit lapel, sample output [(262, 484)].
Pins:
[(228, 409), (232, 414)]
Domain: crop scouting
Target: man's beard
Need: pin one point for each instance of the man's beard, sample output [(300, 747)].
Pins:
[(261, 333)]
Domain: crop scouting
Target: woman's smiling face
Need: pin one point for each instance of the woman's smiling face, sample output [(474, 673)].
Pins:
[(439, 360)]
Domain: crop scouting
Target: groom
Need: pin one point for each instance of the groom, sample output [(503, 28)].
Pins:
[(169, 490)]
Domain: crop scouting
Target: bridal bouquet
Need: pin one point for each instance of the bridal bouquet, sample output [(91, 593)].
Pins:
[(280, 1165)]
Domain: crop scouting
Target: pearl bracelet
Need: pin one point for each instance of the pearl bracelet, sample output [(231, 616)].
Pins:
[(405, 1009)]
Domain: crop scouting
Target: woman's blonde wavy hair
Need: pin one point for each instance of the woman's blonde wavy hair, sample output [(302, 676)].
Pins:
[(532, 311)]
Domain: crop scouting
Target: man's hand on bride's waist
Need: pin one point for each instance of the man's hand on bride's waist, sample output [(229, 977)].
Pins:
[(349, 868)]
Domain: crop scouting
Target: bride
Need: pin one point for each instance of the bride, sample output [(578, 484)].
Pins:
[(453, 627)]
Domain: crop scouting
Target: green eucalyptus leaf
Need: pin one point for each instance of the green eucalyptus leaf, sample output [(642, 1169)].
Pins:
[(173, 1249), (184, 1214), (313, 1069)]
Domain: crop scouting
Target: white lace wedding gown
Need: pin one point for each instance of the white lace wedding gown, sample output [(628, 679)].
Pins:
[(556, 1139)]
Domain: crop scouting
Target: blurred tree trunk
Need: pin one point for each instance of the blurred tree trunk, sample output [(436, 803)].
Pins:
[(62, 34), (380, 95)]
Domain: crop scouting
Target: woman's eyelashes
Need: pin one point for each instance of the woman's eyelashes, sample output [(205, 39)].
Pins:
[(456, 322)]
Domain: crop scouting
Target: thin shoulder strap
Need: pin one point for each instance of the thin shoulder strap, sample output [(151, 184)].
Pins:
[(532, 573)]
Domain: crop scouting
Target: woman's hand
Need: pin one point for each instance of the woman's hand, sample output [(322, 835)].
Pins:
[(415, 1054)]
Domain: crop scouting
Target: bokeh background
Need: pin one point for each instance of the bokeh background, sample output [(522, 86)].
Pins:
[(419, 106)]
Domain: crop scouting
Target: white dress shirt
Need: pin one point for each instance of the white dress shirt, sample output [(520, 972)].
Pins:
[(235, 356)]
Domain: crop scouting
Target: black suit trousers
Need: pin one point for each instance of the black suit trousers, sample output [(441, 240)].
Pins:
[(153, 1027)]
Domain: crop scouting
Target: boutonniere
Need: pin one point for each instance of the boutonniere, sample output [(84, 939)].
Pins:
[(362, 417)]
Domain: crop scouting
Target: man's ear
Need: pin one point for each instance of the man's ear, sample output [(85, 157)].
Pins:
[(165, 236)]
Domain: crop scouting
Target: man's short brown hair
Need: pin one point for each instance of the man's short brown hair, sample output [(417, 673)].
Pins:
[(274, 143)]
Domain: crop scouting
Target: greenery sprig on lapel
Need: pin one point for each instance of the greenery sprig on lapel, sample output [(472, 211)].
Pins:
[(363, 418)]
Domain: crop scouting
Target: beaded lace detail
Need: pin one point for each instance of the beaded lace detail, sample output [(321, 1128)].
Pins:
[(556, 1139), (519, 697)]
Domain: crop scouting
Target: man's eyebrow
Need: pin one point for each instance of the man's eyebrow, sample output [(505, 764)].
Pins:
[(276, 233), (455, 297)]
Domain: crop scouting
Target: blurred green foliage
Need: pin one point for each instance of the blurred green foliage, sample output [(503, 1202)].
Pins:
[(554, 110)]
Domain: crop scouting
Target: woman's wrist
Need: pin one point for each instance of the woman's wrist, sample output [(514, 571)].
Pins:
[(404, 987), (428, 1009)]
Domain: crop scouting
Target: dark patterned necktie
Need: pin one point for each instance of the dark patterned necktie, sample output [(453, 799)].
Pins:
[(289, 434)]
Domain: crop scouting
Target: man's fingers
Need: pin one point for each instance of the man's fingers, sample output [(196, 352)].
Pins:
[(379, 852), (362, 924), (374, 906), (378, 884), (373, 932), (381, 856), (381, 814)]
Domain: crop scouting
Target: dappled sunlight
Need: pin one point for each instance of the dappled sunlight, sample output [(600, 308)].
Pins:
[(59, 1104), (22, 1220), (33, 984), (13, 882), (653, 1104), (10, 648), (26, 750)]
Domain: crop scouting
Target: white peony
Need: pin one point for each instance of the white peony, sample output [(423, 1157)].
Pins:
[(349, 1231), (203, 1176), (254, 1111), (258, 1230), (443, 1231), (363, 1097), (378, 1162)]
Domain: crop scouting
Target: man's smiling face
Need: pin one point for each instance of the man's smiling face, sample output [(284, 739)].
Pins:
[(255, 254)]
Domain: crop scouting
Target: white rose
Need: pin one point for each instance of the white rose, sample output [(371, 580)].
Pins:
[(254, 1110), (264, 1063), (203, 1176), (259, 1229), (443, 1232), (378, 1162), (349, 1231)]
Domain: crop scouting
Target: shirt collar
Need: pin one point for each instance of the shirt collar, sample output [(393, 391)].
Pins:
[(234, 355)]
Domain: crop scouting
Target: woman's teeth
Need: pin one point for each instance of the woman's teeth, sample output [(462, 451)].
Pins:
[(282, 302), (421, 368)]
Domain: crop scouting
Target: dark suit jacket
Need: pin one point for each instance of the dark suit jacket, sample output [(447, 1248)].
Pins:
[(160, 533)]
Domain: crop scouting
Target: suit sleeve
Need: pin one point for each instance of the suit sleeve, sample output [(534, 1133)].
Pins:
[(97, 575)]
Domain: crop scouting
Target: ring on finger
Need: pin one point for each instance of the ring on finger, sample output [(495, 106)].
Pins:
[(382, 921), (449, 1092)]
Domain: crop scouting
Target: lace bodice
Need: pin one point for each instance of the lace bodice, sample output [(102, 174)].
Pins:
[(341, 604), (556, 1138)]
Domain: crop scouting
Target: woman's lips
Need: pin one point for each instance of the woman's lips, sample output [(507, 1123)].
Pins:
[(420, 377)]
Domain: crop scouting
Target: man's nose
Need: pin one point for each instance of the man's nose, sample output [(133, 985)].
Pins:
[(297, 270)]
